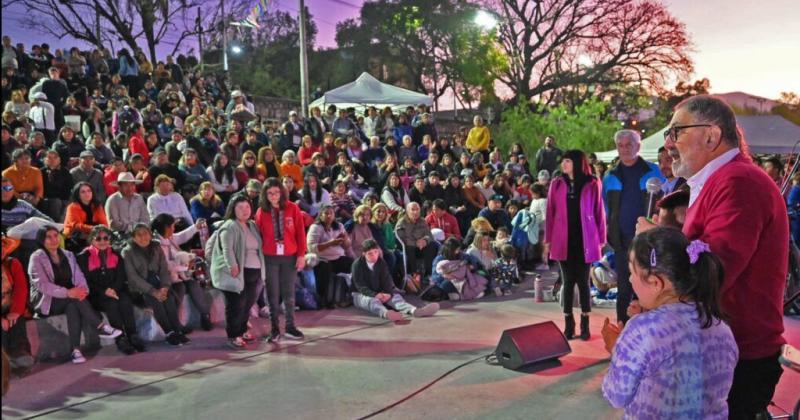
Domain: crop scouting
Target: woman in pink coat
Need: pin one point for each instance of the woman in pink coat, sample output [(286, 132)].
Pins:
[(576, 231)]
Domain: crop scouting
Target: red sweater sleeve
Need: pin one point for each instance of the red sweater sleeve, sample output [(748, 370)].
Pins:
[(300, 231), (19, 288)]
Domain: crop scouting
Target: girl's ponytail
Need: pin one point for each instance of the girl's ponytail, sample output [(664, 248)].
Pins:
[(696, 274), (705, 280)]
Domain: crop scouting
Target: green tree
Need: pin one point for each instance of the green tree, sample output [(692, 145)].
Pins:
[(269, 64), (588, 126), (434, 42)]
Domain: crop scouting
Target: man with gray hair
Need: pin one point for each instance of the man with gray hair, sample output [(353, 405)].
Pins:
[(418, 240), (738, 211), (626, 199)]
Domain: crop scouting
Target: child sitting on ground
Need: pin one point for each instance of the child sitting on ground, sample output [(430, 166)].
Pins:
[(676, 359), (505, 272)]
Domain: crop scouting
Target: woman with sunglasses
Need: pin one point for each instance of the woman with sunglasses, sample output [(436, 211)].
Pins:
[(108, 287), (59, 287), (248, 169)]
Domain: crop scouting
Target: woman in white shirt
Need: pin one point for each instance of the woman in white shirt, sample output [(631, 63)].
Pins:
[(179, 263)]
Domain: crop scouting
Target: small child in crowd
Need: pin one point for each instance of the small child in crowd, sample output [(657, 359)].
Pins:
[(676, 358), (505, 272)]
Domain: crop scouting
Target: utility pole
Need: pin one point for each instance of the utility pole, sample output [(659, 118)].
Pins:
[(303, 61), (224, 36), (199, 29)]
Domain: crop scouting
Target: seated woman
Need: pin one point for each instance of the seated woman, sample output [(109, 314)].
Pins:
[(149, 276), (342, 201), (313, 196), (58, 287), (83, 213), (207, 205), (307, 150), (290, 167), (15, 309), (328, 239), (481, 249), (222, 177), (356, 185), (268, 163), (108, 287), (361, 228), (248, 169), (394, 196), (460, 271), (181, 263)]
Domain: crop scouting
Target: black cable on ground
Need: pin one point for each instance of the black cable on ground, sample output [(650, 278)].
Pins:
[(426, 386)]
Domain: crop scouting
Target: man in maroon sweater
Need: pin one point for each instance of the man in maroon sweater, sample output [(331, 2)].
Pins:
[(739, 212)]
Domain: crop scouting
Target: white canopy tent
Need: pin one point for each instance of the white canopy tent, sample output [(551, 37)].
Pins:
[(368, 91), (765, 134)]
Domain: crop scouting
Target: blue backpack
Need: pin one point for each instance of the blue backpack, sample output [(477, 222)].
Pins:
[(525, 230)]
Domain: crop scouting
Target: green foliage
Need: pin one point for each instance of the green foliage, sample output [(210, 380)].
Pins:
[(434, 44), (588, 127)]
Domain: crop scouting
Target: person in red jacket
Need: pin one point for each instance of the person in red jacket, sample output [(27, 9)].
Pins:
[(283, 237), (136, 143), (15, 308), (737, 209), (439, 218)]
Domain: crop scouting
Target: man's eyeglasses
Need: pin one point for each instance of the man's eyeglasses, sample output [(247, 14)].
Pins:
[(8, 188), (673, 132)]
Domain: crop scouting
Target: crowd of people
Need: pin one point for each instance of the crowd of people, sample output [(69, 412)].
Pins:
[(143, 181)]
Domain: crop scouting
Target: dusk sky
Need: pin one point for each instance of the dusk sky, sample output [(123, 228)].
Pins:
[(741, 45)]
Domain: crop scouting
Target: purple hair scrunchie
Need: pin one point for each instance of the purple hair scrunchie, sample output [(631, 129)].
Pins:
[(695, 248)]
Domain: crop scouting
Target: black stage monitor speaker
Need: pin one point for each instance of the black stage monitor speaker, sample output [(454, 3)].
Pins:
[(530, 344)]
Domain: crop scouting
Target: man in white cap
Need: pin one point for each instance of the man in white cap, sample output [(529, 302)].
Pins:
[(125, 208), (238, 102)]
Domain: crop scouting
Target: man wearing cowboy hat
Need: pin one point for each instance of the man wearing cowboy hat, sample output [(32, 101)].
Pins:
[(125, 208)]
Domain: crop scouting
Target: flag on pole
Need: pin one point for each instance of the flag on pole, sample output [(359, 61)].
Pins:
[(251, 21)]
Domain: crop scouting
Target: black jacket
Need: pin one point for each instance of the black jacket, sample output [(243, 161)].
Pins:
[(371, 282)]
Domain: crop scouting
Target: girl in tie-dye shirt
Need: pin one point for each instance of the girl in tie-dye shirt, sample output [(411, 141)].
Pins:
[(675, 359)]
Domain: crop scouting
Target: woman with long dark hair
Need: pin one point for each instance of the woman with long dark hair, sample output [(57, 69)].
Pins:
[(313, 196), (283, 236), (83, 213), (328, 239), (222, 177), (575, 231), (59, 287)]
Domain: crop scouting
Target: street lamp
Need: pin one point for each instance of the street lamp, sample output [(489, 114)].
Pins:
[(485, 20), (236, 49)]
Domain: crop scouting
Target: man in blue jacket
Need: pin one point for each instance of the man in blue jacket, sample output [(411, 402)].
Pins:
[(626, 199)]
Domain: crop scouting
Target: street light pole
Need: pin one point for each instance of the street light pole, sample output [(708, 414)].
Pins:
[(224, 36), (303, 61)]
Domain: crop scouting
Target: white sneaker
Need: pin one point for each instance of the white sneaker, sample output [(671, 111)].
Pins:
[(454, 296), (427, 310), (498, 292), (542, 267), (264, 312), (393, 316), (77, 357), (109, 331), (480, 295)]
